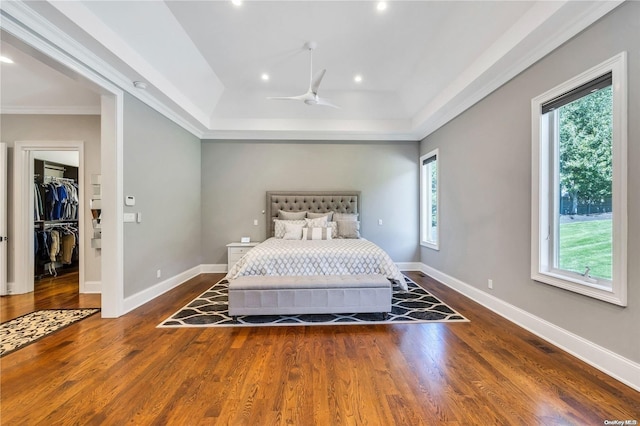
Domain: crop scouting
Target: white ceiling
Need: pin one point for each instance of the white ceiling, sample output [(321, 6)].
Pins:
[(422, 62)]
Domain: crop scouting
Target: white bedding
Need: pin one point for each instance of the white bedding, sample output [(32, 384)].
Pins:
[(277, 256)]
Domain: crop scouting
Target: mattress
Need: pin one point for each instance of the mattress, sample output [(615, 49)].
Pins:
[(279, 257)]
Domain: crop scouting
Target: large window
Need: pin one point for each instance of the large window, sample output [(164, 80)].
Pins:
[(429, 217), (579, 184)]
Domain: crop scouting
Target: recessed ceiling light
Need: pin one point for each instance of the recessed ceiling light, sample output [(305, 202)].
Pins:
[(357, 78), (6, 60), (237, 2), (265, 76), (382, 5)]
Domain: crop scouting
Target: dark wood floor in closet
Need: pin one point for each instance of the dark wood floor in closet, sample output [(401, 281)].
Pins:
[(49, 293), (127, 371)]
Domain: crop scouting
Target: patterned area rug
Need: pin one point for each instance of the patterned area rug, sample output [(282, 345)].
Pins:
[(22, 331), (210, 309)]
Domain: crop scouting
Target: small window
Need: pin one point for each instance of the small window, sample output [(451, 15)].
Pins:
[(579, 184), (429, 200)]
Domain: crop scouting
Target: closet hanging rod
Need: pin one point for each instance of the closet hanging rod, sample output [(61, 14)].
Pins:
[(48, 179), (62, 223), (54, 167)]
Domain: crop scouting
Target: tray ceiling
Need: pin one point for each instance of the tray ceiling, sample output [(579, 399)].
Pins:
[(421, 62)]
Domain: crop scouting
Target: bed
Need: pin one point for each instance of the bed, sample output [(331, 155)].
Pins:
[(329, 268)]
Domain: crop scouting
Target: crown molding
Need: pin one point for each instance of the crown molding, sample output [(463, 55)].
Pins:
[(52, 110), (311, 135), (309, 129)]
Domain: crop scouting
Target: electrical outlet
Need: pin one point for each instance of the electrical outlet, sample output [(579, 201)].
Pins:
[(380, 222), (255, 222), (490, 283), (159, 273)]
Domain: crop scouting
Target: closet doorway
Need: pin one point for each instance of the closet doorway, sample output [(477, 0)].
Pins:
[(57, 201), (30, 161)]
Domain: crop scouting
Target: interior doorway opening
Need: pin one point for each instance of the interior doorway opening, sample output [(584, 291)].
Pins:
[(57, 235), (50, 218)]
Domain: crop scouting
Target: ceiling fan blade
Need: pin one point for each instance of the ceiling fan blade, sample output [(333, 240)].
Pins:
[(287, 98), (311, 97), (324, 102), (315, 83)]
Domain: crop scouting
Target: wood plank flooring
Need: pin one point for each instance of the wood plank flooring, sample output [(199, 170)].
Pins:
[(126, 371)]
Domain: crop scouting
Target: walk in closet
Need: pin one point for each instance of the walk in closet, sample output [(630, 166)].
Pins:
[(56, 230)]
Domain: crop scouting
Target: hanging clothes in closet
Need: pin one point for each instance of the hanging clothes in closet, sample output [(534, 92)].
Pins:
[(55, 243), (60, 199), (38, 206), (56, 238)]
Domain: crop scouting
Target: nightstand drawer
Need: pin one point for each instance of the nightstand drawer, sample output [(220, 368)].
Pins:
[(234, 257), (239, 250), (235, 251)]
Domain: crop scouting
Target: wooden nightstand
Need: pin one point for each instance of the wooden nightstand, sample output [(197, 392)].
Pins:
[(235, 251)]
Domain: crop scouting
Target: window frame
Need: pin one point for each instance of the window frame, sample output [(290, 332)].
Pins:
[(425, 196), (544, 167)]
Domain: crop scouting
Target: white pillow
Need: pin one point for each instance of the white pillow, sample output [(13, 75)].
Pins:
[(345, 216), (348, 229), (284, 215), (292, 231), (316, 233), (317, 222), (312, 215), (279, 230), (334, 229)]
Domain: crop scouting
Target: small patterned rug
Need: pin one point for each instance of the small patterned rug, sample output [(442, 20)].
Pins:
[(210, 309), (22, 331)]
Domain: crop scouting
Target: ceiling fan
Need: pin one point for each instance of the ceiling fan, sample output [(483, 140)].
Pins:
[(311, 97)]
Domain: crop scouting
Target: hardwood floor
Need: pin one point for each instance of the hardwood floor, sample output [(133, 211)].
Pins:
[(117, 371), (49, 292)]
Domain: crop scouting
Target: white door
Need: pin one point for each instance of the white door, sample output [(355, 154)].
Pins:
[(3, 218)]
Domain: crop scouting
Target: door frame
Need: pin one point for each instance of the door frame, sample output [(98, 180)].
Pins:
[(4, 189), (41, 36), (23, 171)]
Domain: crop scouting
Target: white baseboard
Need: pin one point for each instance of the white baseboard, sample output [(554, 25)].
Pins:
[(139, 299), (92, 287), (409, 266), (220, 268), (616, 366)]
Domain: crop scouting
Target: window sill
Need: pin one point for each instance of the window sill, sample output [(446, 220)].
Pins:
[(432, 246), (584, 287)]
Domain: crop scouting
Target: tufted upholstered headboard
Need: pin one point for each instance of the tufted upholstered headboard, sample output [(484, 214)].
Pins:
[(313, 201)]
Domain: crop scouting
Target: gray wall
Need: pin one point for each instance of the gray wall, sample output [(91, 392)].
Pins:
[(162, 170), (485, 184), (236, 175), (85, 128)]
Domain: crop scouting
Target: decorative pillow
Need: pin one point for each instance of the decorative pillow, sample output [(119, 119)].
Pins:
[(279, 229), (348, 229), (283, 215), (334, 229), (317, 222), (345, 216), (316, 233), (292, 231), (312, 215)]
